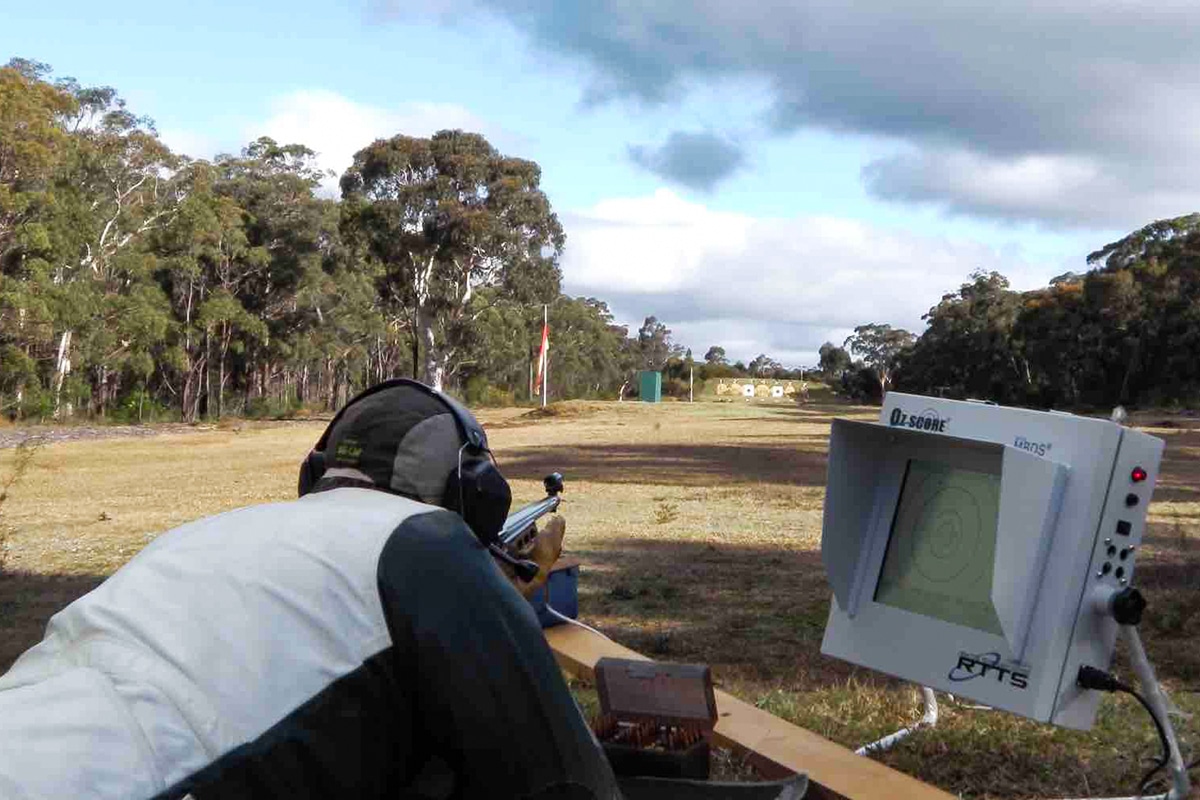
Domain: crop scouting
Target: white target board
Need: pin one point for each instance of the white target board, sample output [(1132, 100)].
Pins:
[(965, 544)]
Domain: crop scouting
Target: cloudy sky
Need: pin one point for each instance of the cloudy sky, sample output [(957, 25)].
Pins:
[(760, 174)]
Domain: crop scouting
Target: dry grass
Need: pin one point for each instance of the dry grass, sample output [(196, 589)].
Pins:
[(22, 457), (699, 528)]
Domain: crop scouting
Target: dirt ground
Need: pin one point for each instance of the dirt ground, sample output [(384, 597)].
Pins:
[(698, 527)]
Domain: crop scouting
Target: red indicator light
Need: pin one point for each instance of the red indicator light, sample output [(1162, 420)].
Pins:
[(1138, 475)]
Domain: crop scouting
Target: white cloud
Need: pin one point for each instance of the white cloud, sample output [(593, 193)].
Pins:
[(776, 285), (647, 245), (336, 127), (1073, 113), (1067, 190), (190, 143)]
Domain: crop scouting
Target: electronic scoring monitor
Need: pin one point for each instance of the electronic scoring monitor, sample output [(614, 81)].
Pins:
[(965, 544)]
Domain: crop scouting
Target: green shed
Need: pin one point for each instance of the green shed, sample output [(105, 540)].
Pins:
[(650, 386)]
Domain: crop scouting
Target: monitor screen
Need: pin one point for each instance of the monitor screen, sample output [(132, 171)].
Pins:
[(942, 546)]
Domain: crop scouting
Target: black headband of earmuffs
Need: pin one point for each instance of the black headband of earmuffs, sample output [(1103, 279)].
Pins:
[(474, 488)]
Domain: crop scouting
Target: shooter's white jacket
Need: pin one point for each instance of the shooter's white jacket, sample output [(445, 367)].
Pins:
[(325, 647)]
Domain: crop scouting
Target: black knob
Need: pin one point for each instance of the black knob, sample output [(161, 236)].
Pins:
[(1127, 606)]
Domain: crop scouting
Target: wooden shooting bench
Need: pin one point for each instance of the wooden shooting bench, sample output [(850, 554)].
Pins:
[(775, 747)]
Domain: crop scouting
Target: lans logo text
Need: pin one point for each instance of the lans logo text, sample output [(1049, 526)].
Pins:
[(927, 420), (1037, 448)]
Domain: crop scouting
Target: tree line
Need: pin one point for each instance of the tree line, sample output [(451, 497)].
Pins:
[(1126, 332), (138, 283)]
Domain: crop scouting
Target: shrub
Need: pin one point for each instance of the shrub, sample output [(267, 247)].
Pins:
[(861, 384), (36, 403), (139, 406), (272, 408), (480, 392), (675, 387)]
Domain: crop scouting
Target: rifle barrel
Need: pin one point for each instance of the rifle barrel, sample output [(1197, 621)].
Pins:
[(519, 521)]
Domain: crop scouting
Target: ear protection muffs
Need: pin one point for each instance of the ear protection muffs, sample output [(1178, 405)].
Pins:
[(474, 488)]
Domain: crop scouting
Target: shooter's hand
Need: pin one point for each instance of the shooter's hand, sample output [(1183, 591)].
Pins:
[(544, 550)]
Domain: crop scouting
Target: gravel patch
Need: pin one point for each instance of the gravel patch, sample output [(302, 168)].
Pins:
[(68, 433), (50, 434)]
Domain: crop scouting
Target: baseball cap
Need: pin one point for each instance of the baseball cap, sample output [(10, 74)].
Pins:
[(400, 439)]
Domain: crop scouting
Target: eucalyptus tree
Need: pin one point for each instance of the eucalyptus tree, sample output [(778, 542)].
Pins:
[(33, 146), (879, 346), (833, 361), (968, 348), (119, 184), (446, 217)]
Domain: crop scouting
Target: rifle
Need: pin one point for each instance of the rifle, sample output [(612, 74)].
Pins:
[(520, 528)]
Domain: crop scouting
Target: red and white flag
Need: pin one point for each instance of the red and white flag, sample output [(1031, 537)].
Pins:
[(543, 358)]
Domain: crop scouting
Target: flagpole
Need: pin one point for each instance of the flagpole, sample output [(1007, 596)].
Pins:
[(546, 350)]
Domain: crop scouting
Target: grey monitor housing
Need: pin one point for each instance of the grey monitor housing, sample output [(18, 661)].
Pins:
[(969, 546)]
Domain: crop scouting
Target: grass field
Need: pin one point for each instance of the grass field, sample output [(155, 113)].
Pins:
[(698, 526)]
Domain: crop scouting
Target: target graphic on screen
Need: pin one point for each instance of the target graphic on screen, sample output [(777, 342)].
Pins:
[(943, 541), (949, 530)]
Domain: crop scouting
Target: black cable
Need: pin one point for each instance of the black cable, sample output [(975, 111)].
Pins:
[(1092, 678), (1188, 768), (1162, 738)]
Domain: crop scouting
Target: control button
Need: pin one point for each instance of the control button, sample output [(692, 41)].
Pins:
[(1124, 553), (1124, 527), (1138, 475), (1107, 568), (1131, 499), (1112, 551), (1120, 573)]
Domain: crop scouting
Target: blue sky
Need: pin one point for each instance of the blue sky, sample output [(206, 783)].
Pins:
[(757, 178)]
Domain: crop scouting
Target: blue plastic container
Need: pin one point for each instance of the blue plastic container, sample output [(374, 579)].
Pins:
[(563, 587)]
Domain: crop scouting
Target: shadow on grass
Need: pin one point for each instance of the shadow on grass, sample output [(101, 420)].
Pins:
[(671, 463), (753, 612), (27, 601), (824, 413), (758, 613), (1172, 491), (1170, 627)]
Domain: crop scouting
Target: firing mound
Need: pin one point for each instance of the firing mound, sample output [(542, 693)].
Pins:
[(567, 409)]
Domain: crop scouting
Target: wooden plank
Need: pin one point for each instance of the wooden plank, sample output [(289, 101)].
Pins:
[(777, 746)]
